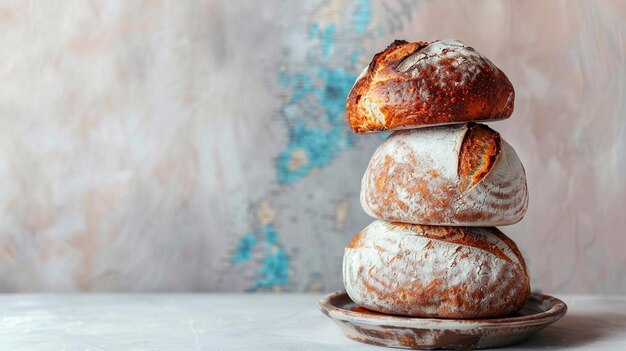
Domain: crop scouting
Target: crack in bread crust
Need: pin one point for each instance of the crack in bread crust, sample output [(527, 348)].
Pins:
[(479, 151)]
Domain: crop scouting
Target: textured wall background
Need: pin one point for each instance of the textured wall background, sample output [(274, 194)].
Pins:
[(200, 145)]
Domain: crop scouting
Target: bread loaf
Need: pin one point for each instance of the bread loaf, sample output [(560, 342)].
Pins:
[(412, 85), (460, 175), (432, 271)]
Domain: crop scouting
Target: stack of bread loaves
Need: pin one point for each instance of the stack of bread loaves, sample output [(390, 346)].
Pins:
[(437, 192)]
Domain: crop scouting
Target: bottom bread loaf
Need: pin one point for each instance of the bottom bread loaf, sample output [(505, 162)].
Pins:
[(434, 271)]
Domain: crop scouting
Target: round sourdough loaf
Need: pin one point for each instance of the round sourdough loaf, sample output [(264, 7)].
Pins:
[(464, 175), (412, 85), (431, 271)]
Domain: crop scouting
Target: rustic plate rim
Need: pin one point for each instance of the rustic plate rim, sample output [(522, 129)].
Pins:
[(557, 309)]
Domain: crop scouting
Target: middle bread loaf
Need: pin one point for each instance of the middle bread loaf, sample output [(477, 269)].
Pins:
[(460, 175)]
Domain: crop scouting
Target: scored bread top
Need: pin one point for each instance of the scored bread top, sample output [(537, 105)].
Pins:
[(486, 238), (479, 151), (412, 85)]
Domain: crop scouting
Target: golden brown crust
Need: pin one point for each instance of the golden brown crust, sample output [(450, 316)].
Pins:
[(356, 241), (479, 151), (411, 85)]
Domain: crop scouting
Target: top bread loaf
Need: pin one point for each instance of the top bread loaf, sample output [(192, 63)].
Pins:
[(413, 85)]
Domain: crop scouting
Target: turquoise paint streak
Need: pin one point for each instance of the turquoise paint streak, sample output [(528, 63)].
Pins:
[(362, 16), (244, 249), (321, 145), (354, 58), (274, 270), (327, 40), (322, 86), (327, 87)]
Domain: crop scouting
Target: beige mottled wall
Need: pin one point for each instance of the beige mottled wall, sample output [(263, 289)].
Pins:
[(140, 140)]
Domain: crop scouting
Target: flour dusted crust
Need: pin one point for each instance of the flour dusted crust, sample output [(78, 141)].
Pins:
[(429, 271), (412, 85), (459, 175)]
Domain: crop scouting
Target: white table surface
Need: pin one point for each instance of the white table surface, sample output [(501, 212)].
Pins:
[(244, 322)]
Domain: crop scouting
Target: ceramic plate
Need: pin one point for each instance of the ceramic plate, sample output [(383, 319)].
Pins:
[(431, 333)]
